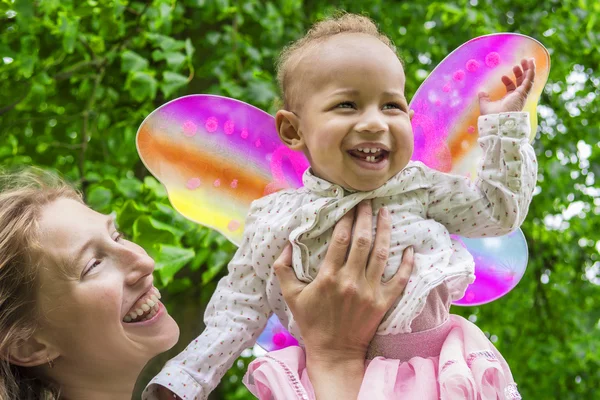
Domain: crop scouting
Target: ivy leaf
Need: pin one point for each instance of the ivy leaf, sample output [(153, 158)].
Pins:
[(174, 60), (130, 188), (169, 260), (128, 213), (165, 42), (216, 261), (142, 86), (189, 48), (24, 9), (172, 82), (68, 26), (131, 62), (99, 198), (261, 92), (156, 187)]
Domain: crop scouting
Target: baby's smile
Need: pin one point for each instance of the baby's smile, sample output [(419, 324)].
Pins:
[(369, 155)]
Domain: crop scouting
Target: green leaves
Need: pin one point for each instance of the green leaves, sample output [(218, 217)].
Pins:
[(141, 86), (99, 198), (172, 82), (171, 259), (132, 62)]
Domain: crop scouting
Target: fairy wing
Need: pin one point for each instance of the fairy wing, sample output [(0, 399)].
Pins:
[(446, 109), (215, 155)]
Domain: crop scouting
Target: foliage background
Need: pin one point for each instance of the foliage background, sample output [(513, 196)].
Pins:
[(78, 77)]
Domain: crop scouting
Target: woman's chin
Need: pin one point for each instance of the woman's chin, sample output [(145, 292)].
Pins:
[(168, 336), (157, 335)]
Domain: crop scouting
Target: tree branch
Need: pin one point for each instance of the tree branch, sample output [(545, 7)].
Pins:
[(98, 62), (9, 107), (86, 134)]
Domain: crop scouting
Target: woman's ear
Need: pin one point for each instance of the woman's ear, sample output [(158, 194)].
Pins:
[(411, 114), (30, 352), (287, 124)]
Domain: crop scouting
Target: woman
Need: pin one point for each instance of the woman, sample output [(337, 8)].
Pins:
[(79, 316)]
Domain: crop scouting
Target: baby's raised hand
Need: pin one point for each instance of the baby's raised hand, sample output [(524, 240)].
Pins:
[(516, 96)]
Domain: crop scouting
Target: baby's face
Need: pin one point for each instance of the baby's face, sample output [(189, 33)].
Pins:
[(353, 117)]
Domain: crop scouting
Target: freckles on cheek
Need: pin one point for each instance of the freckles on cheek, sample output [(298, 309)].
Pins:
[(104, 301)]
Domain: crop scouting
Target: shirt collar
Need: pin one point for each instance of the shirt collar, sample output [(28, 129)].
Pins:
[(396, 184)]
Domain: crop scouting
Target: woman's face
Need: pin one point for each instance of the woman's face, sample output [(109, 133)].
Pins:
[(91, 282)]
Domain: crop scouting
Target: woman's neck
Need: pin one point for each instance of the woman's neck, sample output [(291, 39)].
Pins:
[(108, 392), (76, 384)]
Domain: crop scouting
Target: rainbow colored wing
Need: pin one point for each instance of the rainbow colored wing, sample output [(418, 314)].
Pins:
[(215, 155), (447, 107)]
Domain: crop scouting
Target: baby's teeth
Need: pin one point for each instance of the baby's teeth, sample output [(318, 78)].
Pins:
[(373, 150), (360, 149), (127, 318)]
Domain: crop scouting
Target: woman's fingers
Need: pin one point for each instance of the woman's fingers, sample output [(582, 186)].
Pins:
[(340, 241), (362, 238), (290, 285), (381, 247), (395, 286)]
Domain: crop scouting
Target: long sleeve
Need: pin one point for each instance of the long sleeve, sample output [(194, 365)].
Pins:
[(235, 316), (498, 202)]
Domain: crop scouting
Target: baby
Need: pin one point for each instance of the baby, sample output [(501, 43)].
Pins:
[(344, 107)]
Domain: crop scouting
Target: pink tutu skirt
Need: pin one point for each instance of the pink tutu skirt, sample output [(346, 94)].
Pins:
[(452, 361)]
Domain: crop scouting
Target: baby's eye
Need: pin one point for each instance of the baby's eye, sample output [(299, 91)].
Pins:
[(391, 106), (346, 104)]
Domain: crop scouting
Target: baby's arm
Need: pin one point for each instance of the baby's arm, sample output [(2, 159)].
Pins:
[(235, 316), (497, 203)]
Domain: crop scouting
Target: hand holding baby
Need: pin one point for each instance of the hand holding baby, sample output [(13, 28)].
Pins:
[(516, 95)]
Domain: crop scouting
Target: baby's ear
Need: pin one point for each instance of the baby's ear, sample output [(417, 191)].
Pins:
[(288, 124)]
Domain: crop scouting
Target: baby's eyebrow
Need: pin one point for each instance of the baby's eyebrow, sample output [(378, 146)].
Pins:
[(348, 92), (394, 93)]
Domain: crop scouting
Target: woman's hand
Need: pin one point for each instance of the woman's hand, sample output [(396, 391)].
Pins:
[(339, 312)]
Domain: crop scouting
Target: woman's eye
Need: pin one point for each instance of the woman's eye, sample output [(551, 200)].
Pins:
[(346, 104), (118, 236), (91, 267)]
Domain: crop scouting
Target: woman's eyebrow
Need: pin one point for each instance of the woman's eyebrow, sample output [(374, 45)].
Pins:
[(76, 258)]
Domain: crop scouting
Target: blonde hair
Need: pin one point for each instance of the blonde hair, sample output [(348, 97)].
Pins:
[(321, 31), (23, 195)]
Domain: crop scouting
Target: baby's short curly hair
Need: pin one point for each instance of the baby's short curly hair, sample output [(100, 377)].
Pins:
[(318, 33)]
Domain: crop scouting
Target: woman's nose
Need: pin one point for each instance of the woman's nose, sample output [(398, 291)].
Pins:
[(136, 263)]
